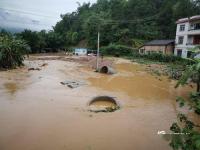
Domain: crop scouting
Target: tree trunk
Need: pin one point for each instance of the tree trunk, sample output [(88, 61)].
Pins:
[(198, 86)]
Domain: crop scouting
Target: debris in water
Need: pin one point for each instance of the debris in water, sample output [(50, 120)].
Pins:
[(44, 64), (73, 84), (31, 69)]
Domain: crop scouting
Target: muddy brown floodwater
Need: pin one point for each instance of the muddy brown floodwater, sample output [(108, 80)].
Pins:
[(38, 113)]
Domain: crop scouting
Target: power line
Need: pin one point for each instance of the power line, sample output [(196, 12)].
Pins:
[(25, 22), (26, 12), (106, 21), (112, 21)]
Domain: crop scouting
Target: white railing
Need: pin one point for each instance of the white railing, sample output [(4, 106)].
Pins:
[(192, 44)]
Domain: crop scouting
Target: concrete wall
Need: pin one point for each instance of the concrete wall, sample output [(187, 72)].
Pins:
[(169, 50), (190, 40), (80, 51), (154, 48), (184, 52), (182, 33), (158, 49)]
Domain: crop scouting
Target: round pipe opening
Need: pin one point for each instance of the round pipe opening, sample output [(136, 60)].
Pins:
[(103, 104), (104, 69)]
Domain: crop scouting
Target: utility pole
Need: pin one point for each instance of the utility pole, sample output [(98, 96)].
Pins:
[(97, 67)]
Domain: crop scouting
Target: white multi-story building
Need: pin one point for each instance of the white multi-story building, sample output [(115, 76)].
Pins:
[(187, 36)]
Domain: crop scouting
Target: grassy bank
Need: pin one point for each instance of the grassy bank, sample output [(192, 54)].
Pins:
[(159, 64)]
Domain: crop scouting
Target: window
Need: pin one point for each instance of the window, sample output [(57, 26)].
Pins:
[(142, 51), (182, 27), (192, 27), (179, 52), (180, 39), (195, 26), (196, 40)]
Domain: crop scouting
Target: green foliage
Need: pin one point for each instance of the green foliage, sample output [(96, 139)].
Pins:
[(188, 140), (120, 21), (12, 52), (181, 101), (137, 43), (38, 41), (192, 72), (91, 27), (74, 38), (186, 133), (5, 33), (162, 58), (195, 102), (54, 40), (32, 38), (116, 50)]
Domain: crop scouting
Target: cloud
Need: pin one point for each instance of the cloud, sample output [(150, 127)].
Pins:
[(12, 20), (35, 14)]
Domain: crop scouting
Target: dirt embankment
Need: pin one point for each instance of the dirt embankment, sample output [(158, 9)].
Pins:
[(84, 60)]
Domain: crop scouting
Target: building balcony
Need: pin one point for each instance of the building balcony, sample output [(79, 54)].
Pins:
[(194, 29), (187, 45), (191, 45), (194, 32)]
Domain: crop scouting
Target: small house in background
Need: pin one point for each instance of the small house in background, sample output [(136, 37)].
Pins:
[(80, 51), (158, 46)]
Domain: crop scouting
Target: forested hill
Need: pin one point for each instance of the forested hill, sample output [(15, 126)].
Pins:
[(122, 21)]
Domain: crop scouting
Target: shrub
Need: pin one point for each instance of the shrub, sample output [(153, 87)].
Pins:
[(163, 58), (116, 50), (12, 52)]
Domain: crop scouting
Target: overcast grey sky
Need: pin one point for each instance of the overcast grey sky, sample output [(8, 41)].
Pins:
[(35, 14)]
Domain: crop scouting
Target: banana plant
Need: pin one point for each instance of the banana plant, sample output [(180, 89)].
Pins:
[(12, 52)]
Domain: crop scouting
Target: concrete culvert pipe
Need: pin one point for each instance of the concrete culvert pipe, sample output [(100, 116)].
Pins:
[(107, 70), (103, 104)]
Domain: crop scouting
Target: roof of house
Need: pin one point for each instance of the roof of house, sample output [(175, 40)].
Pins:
[(159, 42), (183, 20)]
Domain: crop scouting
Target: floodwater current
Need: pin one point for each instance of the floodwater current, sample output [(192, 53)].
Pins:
[(39, 113)]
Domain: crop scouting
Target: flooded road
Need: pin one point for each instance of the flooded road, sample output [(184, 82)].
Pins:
[(38, 113)]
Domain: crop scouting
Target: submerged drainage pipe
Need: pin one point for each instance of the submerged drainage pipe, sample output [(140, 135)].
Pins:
[(106, 70), (111, 106)]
